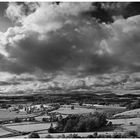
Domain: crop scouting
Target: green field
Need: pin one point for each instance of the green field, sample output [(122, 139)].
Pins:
[(7, 115), (129, 113), (3, 132), (67, 111), (30, 127)]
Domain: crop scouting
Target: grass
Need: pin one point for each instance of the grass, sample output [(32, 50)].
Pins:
[(129, 113), (3, 132), (7, 115), (135, 121), (129, 124), (30, 127), (68, 111)]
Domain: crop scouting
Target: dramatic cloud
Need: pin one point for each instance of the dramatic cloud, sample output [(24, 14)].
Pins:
[(54, 37)]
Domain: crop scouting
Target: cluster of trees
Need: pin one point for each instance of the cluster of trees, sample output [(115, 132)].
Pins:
[(4, 105), (81, 123)]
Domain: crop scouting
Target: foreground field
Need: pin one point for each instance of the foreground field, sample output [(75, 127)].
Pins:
[(30, 127), (3, 132)]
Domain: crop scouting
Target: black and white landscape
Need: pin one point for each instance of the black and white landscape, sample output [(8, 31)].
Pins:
[(69, 70)]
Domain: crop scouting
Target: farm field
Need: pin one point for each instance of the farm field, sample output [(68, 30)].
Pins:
[(7, 115), (111, 107), (129, 113), (130, 124), (3, 132), (74, 111), (21, 123), (126, 121), (30, 127)]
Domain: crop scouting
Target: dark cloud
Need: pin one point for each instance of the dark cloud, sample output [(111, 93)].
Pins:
[(67, 39), (106, 11), (70, 48)]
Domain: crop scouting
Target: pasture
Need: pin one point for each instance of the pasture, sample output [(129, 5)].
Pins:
[(30, 127), (3, 132), (5, 114), (68, 111), (130, 113)]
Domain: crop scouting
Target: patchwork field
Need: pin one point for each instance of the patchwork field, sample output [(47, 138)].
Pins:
[(68, 111), (30, 127), (111, 107), (3, 132), (130, 124), (126, 121), (129, 113), (7, 115)]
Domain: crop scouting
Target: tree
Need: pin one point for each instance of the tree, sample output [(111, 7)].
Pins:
[(51, 129), (80, 103), (17, 120), (72, 107), (68, 127)]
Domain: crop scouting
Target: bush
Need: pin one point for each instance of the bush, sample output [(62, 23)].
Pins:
[(51, 129), (17, 120), (49, 136), (95, 134), (73, 136), (45, 120), (90, 136), (33, 135), (72, 107), (130, 134), (109, 124), (117, 135)]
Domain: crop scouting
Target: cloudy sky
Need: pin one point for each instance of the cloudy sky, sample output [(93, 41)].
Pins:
[(45, 44)]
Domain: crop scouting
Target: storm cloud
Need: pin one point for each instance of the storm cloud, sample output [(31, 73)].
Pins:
[(63, 38)]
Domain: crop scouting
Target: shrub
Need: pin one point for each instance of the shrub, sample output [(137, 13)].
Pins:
[(73, 136), (109, 124), (72, 107), (131, 123), (17, 120), (33, 135), (51, 129), (49, 136), (117, 135), (130, 134), (90, 136), (95, 134), (45, 120)]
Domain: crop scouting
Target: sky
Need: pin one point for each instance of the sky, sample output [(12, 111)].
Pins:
[(42, 42)]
